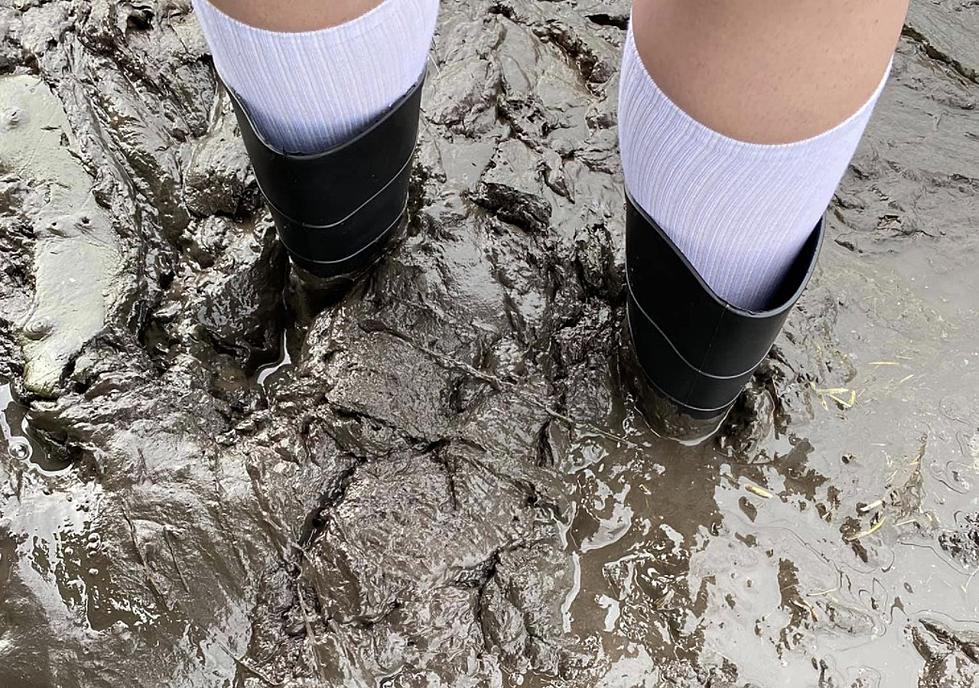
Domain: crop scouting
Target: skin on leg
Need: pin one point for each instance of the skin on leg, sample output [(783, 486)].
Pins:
[(295, 15), (768, 71)]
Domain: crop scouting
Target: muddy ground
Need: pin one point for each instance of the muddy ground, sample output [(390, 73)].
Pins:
[(209, 479)]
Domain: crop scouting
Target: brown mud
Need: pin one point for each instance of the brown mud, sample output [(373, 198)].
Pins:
[(206, 481)]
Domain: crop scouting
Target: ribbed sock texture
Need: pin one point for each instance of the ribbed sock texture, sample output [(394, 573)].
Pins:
[(739, 212), (308, 91)]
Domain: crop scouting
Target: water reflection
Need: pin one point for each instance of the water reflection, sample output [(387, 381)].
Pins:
[(18, 438), (747, 564)]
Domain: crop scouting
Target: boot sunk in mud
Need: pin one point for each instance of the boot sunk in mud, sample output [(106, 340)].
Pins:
[(734, 139), (337, 210), (692, 352)]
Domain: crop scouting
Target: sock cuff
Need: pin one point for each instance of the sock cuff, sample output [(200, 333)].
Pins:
[(709, 137), (351, 30), (739, 211), (309, 90)]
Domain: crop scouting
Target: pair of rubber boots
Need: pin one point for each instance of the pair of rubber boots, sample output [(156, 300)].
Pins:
[(692, 352)]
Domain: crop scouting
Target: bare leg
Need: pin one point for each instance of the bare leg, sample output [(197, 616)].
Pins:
[(295, 15), (768, 71)]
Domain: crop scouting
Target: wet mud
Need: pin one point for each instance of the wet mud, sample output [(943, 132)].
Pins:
[(439, 479)]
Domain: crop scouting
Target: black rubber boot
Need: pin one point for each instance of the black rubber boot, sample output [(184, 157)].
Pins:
[(694, 351), (337, 210)]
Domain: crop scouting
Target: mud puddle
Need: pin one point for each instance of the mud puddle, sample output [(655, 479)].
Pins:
[(438, 480)]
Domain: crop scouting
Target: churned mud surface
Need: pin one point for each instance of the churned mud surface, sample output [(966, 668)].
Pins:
[(209, 479)]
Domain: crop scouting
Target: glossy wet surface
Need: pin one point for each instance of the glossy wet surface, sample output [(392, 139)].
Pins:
[(437, 479)]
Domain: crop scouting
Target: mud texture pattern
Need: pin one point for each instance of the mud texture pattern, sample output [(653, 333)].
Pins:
[(208, 479)]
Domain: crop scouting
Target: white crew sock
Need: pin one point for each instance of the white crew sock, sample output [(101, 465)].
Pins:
[(740, 212), (309, 90)]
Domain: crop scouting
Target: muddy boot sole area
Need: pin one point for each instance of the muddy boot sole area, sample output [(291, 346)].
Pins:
[(212, 478)]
